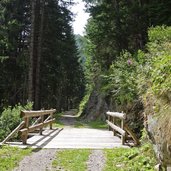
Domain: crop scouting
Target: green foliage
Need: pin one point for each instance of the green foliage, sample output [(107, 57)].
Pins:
[(92, 124), (14, 26), (10, 119), (59, 60), (83, 103), (97, 124), (155, 72), (120, 81), (72, 160), (159, 34), (10, 157), (59, 63), (139, 159)]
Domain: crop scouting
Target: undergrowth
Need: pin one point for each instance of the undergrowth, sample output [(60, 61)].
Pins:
[(11, 156), (134, 159), (10, 119), (92, 124)]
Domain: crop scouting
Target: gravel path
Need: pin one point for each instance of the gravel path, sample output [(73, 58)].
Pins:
[(96, 161), (38, 161), (69, 118)]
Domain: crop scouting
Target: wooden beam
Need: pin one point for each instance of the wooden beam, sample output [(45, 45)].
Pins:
[(38, 126), (132, 134), (118, 129), (49, 117), (13, 132), (117, 114), (26, 114), (36, 121)]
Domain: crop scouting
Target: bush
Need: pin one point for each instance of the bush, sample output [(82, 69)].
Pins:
[(156, 71), (10, 119), (120, 82)]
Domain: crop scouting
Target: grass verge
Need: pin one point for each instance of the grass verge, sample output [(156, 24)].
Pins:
[(58, 123), (134, 159), (92, 124), (11, 156), (71, 160)]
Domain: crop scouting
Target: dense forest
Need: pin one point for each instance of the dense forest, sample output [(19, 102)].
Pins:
[(38, 54), (122, 63)]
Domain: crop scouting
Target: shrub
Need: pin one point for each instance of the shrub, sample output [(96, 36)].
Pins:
[(10, 119), (156, 70), (120, 81)]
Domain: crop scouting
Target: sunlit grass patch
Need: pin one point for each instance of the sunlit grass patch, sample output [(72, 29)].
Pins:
[(125, 159), (11, 156), (92, 124), (71, 160), (98, 124)]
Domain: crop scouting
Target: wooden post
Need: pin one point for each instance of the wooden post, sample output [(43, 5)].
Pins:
[(123, 136), (41, 129), (109, 128), (114, 132), (123, 139), (51, 122), (24, 136)]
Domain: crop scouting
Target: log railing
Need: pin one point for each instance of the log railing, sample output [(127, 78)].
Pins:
[(123, 129), (111, 121), (43, 118)]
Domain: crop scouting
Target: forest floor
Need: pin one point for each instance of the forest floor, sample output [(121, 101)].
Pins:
[(42, 159)]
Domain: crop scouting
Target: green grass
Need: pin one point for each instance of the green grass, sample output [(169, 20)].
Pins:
[(11, 156), (93, 124), (98, 124), (134, 159), (57, 123), (71, 160)]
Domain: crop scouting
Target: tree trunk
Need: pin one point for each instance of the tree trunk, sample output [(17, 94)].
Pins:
[(35, 52), (30, 77), (39, 54)]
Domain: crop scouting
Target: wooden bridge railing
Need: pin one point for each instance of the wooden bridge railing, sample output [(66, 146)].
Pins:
[(112, 124), (43, 118), (123, 129)]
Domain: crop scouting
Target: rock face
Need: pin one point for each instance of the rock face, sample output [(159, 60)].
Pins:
[(98, 104), (96, 107), (159, 128)]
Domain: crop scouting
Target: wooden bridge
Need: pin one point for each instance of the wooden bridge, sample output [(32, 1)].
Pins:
[(35, 136)]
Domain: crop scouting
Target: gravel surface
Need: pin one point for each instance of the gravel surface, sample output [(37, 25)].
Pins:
[(69, 118), (38, 161), (96, 161)]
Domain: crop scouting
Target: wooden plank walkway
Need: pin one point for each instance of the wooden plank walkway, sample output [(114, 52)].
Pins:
[(72, 138)]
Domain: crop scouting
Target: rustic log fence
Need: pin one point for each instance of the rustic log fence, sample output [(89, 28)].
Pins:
[(43, 118), (121, 128)]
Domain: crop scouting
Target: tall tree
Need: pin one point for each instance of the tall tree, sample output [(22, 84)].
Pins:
[(38, 55), (36, 51), (116, 26), (14, 29)]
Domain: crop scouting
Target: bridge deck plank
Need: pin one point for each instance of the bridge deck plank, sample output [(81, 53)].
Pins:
[(72, 138)]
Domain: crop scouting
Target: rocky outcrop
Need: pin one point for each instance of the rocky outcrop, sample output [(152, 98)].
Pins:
[(96, 107), (159, 128), (99, 103)]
